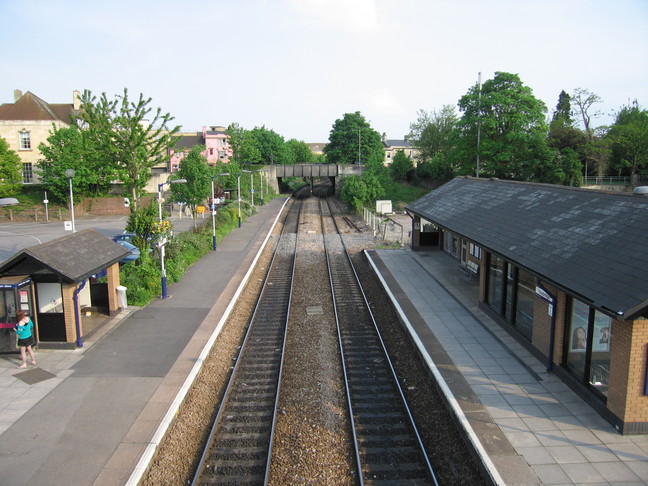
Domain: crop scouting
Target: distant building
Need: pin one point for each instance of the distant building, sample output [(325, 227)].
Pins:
[(28, 121), (214, 138), (393, 146), (317, 148)]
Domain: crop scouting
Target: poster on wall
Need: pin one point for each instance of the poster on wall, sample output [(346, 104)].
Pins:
[(601, 341)]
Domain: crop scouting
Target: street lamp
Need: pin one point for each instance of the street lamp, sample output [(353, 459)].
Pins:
[(163, 270), (69, 173), (238, 191), (213, 209), (251, 172)]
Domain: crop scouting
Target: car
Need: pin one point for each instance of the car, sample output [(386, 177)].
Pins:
[(129, 238), (134, 251)]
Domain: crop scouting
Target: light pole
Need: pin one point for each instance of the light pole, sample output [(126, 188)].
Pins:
[(213, 210), (69, 173), (238, 192), (261, 185), (163, 243), (251, 172)]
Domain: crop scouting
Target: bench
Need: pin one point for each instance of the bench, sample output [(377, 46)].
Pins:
[(470, 271)]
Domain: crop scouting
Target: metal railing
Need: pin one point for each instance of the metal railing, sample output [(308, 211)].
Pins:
[(614, 181)]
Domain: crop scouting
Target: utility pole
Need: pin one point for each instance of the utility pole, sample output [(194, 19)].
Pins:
[(478, 122)]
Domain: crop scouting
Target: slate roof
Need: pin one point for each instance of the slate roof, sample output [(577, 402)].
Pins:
[(31, 107), (189, 140), (397, 143), (589, 243), (73, 258)]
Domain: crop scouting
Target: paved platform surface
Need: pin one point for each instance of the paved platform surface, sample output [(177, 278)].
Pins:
[(94, 416)]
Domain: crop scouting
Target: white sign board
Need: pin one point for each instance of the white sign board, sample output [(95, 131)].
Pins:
[(67, 225), (384, 206)]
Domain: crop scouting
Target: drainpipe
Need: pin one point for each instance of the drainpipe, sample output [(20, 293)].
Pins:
[(551, 299), (77, 316)]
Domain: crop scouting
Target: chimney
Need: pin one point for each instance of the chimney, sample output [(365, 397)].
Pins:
[(76, 99), (384, 137), (17, 95)]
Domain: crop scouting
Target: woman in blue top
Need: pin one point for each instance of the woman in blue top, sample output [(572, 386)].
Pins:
[(24, 328)]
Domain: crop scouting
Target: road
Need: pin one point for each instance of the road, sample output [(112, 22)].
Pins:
[(18, 236)]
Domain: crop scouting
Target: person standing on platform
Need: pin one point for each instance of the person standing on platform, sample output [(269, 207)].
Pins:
[(24, 331)]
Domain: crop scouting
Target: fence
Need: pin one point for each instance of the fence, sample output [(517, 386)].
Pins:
[(389, 230), (614, 181)]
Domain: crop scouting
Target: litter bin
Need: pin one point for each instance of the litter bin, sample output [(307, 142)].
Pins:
[(121, 297)]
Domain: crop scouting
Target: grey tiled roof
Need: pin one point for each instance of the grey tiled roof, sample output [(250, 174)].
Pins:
[(591, 243), (74, 257)]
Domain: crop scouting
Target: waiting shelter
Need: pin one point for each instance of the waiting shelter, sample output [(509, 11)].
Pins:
[(55, 282), (564, 270)]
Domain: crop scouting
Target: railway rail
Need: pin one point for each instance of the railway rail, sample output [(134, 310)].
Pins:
[(387, 445)]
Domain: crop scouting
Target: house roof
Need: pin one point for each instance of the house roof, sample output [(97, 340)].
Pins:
[(186, 140), (31, 107), (590, 243), (73, 258), (397, 143)]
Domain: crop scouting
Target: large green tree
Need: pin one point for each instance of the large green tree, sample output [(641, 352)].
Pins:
[(10, 170), (629, 139), (300, 153), (194, 169), (272, 146), (435, 137), (73, 148), (512, 128), (131, 135), (353, 141), (401, 166)]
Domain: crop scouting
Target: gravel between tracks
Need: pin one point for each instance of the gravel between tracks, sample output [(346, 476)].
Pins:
[(312, 442)]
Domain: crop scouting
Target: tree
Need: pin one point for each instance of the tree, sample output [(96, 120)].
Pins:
[(583, 101), (513, 130), (353, 141), (401, 166), (361, 191), (193, 168), (132, 136), (140, 222), (271, 146), (73, 148), (10, 170), (435, 136), (562, 133), (629, 139), (300, 152)]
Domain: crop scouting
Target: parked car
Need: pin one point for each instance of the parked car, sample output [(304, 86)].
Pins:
[(129, 238), (134, 251)]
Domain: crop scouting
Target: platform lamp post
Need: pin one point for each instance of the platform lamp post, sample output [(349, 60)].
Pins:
[(251, 172), (238, 192), (162, 269), (213, 210), (70, 173)]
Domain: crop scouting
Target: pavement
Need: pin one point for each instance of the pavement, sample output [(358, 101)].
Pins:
[(96, 415)]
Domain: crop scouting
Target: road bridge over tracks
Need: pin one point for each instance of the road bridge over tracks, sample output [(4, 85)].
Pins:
[(310, 172)]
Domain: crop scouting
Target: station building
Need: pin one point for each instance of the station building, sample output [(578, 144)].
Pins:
[(564, 270)]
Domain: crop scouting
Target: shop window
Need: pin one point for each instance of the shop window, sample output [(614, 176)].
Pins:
[(495, 281), (588, 346), (524, 303)]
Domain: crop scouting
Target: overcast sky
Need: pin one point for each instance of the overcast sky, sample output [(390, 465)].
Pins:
[(295, 66)]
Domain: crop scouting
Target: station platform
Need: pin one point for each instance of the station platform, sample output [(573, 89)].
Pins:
[(95, 415), (527, 425)]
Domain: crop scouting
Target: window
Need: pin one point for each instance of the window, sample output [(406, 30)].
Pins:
[(28, 173), (25, 140), (588, 346), (211, 150), (475, 251)]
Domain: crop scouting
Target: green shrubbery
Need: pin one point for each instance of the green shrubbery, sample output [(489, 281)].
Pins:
[(143, 278)]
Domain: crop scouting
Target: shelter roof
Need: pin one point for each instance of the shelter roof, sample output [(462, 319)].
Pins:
[(584, 241), (73, 258)]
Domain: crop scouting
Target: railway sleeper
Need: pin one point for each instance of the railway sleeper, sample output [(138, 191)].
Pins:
[(371, 444)]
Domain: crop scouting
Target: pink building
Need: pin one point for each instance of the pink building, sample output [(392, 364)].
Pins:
[(214, 138)]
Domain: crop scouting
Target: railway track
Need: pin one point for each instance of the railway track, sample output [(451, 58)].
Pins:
[(240, 443), (387, 448)]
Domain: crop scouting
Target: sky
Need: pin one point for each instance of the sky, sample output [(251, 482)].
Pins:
[(297, 66)]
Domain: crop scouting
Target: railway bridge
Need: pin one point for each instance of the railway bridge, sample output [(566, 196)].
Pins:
[(310, 172)]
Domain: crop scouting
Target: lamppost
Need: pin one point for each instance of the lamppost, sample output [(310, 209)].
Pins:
[(213, 210), (238, 192), (251, 172), (69, 173), (261, 184), (162, 269)]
